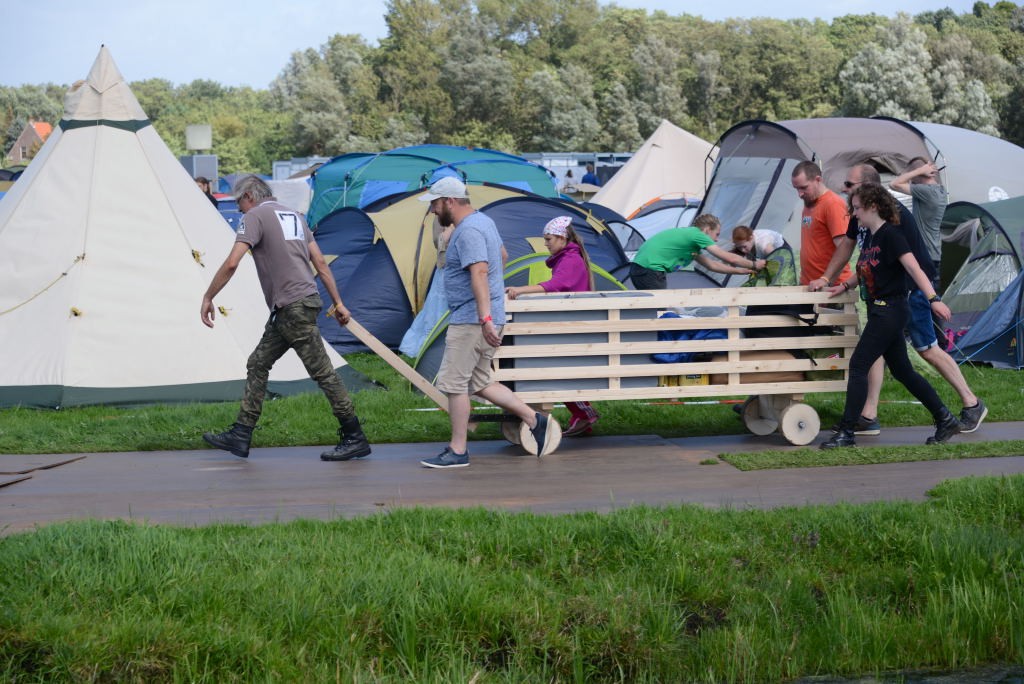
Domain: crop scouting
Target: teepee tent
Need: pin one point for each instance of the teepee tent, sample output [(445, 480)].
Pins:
[(106, 249), (672, 162)]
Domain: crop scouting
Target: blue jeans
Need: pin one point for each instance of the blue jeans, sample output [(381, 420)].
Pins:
[(883, 336)]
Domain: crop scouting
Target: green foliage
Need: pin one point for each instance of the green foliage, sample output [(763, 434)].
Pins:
[(26, 103), (561, 75), (674, 594), (890, 77)]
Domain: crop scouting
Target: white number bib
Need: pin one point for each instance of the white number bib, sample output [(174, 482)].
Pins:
[(291, 226)]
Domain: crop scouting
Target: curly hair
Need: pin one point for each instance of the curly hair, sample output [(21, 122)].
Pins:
[(875, 196)]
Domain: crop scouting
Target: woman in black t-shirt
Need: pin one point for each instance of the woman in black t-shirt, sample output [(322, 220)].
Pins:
[(883, 267)]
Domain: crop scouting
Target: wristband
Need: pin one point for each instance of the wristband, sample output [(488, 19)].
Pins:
[(846, 286), (486, 319), (934, 298)]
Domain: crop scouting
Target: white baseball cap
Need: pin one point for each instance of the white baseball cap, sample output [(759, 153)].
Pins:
[(449, 186)]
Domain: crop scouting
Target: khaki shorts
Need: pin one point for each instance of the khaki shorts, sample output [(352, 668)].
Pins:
[(466, 366)]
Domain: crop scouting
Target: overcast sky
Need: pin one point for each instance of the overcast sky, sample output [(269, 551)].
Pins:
[(249, 42)]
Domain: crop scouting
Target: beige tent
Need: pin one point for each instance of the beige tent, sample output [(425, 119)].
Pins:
[(672, 162), (106, 249)]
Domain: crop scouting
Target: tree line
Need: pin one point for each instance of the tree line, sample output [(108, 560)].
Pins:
[(565, 75)]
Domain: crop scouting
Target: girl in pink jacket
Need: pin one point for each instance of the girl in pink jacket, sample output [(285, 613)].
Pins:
[(570, 272)]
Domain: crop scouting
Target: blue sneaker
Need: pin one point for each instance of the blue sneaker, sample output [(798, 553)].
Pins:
[(447, 459)]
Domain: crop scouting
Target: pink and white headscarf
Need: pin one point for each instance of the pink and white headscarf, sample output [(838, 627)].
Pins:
[(558, 226)]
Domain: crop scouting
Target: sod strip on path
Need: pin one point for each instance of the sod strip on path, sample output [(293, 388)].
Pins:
[(814, 457)]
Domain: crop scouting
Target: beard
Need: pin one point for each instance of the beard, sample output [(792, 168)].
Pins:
[(445, 218)]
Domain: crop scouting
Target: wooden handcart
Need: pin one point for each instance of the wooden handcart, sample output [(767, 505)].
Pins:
[(598, 346)]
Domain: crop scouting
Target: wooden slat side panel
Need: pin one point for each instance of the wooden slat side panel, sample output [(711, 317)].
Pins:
[(600, 347)]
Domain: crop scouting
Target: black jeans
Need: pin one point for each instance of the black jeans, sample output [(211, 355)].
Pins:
[(647, 278), (883, 336)]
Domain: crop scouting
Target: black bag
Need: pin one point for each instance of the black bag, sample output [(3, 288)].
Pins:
[(804, 314)]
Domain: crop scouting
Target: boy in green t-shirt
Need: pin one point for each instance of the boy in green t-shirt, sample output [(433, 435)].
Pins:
[(679, 247)]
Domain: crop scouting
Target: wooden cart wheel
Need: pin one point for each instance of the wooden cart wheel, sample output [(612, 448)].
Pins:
[(752, 419), (527, 441), (510, 430), (799, 423)]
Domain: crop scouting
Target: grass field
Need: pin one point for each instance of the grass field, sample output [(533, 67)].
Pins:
[(679, 594)]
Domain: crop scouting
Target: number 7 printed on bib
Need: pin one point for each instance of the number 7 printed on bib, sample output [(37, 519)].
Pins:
[(291, 226)]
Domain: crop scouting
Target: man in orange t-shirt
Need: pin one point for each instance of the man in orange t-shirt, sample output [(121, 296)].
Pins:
[(822, 225)]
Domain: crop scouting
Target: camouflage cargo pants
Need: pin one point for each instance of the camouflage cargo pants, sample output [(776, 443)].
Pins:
[(293, 327)]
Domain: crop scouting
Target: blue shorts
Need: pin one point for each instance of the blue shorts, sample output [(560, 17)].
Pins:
[(922, 330)]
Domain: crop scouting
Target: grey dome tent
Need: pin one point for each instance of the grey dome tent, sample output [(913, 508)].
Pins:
[(751, 186)]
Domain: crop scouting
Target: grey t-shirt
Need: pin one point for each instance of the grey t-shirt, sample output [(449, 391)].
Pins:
[(279, 240), (475, 240), (929, 205)]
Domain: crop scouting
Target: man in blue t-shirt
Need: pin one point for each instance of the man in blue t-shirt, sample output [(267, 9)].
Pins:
[(922, 330), (590, 176), (475, 288)]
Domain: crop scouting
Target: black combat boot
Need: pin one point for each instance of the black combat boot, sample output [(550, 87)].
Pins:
[(843, 438), (946, 426), (236, 440), (352, 442)]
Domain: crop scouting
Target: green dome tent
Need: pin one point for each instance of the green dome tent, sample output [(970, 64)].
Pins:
[(360, 179), (991, 238)]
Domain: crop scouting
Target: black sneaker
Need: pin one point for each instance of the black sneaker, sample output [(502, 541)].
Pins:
[(970, 418), (447, 459), (544, 433), (944, 429), (865, 426), (842, 438)]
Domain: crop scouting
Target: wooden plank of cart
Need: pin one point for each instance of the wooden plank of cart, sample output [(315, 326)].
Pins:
[(597, 346)]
